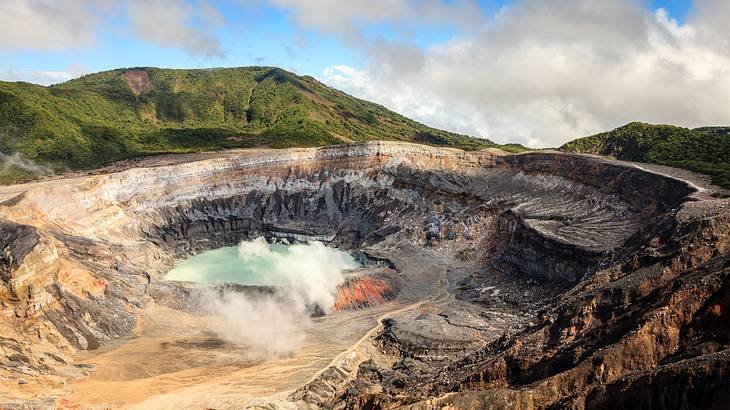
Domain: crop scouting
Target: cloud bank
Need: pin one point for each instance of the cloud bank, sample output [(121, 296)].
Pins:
[(48, 24), (60, 25), (544, 72)]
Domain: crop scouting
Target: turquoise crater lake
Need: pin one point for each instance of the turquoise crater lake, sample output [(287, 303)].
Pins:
[(259, 263)]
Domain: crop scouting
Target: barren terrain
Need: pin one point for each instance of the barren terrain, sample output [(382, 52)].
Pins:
[(542, 280)]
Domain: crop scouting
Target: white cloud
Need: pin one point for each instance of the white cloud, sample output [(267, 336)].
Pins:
[(544, 72), (48, 24), (711, 18), (210, 15), (172, 23), (48, 77), (60, 25)]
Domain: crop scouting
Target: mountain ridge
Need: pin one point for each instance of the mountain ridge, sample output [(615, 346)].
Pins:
[(705, 150), (118, 114)]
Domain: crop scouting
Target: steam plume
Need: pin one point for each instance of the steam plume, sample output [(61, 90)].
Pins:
[(17, 160), (274, 325)]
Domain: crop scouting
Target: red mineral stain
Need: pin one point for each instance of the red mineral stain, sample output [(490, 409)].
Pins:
[(362, 292)]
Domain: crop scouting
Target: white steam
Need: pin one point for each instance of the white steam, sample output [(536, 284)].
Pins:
[(266, 326), (17, 160), (274, 325)]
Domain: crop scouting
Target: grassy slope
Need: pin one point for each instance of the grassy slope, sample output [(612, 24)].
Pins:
[(113, 115), (705, 150)]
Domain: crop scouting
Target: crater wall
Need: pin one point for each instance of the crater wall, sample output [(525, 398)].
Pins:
[(104, 239)]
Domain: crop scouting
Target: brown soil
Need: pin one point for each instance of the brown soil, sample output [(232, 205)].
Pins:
[(138, 81)]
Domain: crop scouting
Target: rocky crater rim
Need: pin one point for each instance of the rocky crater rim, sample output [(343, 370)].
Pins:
[(122, 200), (86, 250)]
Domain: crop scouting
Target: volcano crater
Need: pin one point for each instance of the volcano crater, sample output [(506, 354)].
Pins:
[(536, 278)]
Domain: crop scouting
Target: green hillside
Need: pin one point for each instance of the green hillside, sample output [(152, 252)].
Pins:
[(105, 117), (705, 150)]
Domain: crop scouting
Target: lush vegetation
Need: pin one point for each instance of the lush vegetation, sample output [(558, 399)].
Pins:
[(105, 117), (705, 150)]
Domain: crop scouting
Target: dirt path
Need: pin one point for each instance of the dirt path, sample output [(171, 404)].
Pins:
[(379, 327), (356, 347), (343, 368)]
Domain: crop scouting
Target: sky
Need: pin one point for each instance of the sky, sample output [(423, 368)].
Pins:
[(536, 72)]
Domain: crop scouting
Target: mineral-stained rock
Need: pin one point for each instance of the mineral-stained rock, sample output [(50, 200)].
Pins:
[(366, 289)]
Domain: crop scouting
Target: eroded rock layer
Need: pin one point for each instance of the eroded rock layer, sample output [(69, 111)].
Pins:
[(573, 281)]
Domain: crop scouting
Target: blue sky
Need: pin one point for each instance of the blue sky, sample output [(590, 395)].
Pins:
[(537, 72), (254, 33)]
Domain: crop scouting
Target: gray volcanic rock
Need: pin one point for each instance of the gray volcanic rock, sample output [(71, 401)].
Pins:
[(16, 241), (650, 331)]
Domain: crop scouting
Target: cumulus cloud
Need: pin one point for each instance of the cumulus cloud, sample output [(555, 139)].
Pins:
[(544, 72), (177, 24), (49, 24), (272, 325)]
